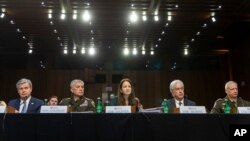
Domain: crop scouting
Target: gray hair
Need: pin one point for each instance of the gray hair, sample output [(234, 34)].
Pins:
[(173, 83), (76, 81), (23, 80), (229, 83)]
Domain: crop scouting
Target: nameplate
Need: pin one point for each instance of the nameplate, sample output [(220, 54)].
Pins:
[(244, 110), (53, 109), (118, 109), (2, 109), (192, 109), (152, 110)]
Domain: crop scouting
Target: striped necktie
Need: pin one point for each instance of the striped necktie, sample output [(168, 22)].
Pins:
[(24, 110)]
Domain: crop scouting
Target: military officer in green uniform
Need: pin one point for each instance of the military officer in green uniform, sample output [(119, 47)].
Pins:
[(78, 102), (231, 89)]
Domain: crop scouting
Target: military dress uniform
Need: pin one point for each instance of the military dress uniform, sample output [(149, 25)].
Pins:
[(80, 105), (219, 105)]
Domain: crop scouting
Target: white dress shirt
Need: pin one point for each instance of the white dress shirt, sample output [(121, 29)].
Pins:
[(177, 103), (22, 104)]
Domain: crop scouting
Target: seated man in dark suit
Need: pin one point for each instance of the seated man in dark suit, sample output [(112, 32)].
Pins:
[(177, 90), (26, 103)]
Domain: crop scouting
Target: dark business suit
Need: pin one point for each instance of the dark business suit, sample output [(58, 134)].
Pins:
[(34, 105), (187, 102)]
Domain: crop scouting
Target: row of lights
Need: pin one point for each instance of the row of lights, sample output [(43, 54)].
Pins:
[(213, 19), (86, 16), (92, 51), (12, 22), (133, 18)]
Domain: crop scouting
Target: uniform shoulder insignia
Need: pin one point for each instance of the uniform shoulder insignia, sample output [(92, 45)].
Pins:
[(89, 99), (66, 98)]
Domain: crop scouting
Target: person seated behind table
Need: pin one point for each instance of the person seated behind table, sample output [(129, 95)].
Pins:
[(177, 90), (2, 103), (231, 89), (126, 95), (53, 101), (77, 101), (26, 103)]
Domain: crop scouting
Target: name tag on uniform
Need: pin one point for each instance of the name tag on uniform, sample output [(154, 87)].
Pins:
[(118, 109), (2, 109), (192, 109), (244, 110), (53, 109)]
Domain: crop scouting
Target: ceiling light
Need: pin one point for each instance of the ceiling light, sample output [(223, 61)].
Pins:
[(133, 17), (156, 18), (169, 18), (143, 52), (2, 15), (50, 16), (86, 16), (134, 51), (12, 22), (18, 30), (152, 52), (144, 18), (126, 51), (163, 32), (83, 51), (63, 16), (30, 51), (213, 19), (74, 51), (185, 51), (74, 16), (204, 25), (65, 51), (91, 51)]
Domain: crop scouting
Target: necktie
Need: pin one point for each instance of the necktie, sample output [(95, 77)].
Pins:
[(24, 110), (180, 104)]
